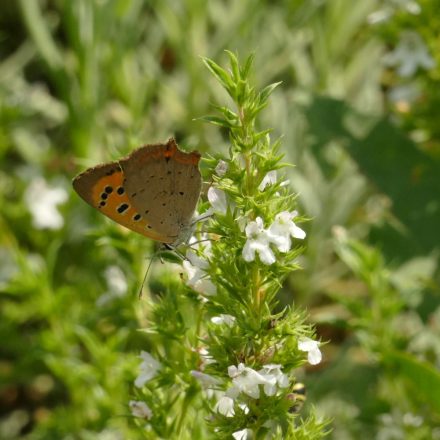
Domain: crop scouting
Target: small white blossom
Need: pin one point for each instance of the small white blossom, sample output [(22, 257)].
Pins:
[(217, 199), (244, 408), (140, 409), (221, 168), (269, 179), (390, 8), (257, 241), (195, 267), (247, 380), (229, 320), (205, 357), (148, 369), (282, 229), (197, 279), (225, 406), (410, 54), (117, 285), (206, 380), (42, 201), (314, 355), (241, 435), (273, 373)]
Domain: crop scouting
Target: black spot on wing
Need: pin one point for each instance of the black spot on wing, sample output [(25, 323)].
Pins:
[(122, 208)]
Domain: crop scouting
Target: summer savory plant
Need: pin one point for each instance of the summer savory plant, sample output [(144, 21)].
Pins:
[(229, 371)]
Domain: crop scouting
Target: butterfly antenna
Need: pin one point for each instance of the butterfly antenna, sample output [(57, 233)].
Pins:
[(146, 274)]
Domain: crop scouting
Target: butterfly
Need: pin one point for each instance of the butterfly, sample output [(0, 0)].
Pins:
[(153, 191)]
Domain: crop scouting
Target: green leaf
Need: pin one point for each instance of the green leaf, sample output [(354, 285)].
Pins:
[(423, 378), (233, 60), (247, 66), (217, 121), (266, 92), (394, 164), (222, 76)]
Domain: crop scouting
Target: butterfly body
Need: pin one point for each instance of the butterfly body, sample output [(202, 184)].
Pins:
[(153, 191)]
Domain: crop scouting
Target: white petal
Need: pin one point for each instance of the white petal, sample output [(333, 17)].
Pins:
[(266, 255), (270, 390), (206, 287), (296, 232), (217, 198), (116, 280), (140, 409), (142, 379), (206, 380), (225, 406), (252, 390), (148, 369), (269, 179), (196, 260), (314, 356), (248, 252), (240, 435), (244, 407), (254, 228), (42, 201), (283, 381), (307, 344), (221, 168), (229, 320), (233, 371)]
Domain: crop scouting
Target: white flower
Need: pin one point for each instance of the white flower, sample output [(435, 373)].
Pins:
[(282, 229), (314, 355), (257, 241), (269, 179), (140, 409), (229, 320), (42, 202), (196, 266), (241, 435), (244, 408), (221, 168), (149, 368), (273, 373), (206, 380), (410, 54), (117, 285), (217, 199), (205, 357), (247, 380), (225, 406), (389, 10), (197, 279)]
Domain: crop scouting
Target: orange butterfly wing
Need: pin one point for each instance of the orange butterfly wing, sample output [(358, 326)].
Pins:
[(103, 188)]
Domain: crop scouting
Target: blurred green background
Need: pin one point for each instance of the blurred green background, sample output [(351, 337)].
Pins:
[(86, 81)]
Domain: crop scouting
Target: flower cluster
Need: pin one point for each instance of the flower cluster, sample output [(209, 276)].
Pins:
[(279, 234), (197, 264), (242, 353), (247, 381)]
